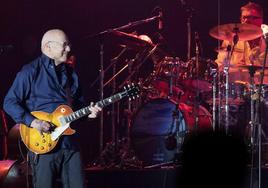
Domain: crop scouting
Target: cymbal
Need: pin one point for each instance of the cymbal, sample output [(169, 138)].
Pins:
[(131, 40), (245, 32)]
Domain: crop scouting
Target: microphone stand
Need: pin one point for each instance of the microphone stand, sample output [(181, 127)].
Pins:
[(196, 106), (189, 10), (189, 35), (101, 76), (214, 74), (226, 71), (113, 114), (127, 26), (258, 111), (101, 70), (141, 58)]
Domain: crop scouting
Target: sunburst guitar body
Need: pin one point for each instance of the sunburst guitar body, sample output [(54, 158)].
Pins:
[(41, 143)]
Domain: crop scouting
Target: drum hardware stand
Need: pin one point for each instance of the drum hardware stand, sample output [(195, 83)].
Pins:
[(131, 71), (252, 122), (219, 100), (197, 98), (141, 58), (172, 75), (171, 80), (257, 114), (214, 76), (113, 114), (129, 107), (100, 35), (226, 72), (101, 94)]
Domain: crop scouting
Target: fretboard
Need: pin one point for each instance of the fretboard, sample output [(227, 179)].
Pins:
[(86, 110)]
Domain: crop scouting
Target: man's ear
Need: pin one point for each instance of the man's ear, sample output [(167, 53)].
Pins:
[(48, 46), (46, 49)]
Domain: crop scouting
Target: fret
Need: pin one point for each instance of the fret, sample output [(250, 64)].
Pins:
[(66, 119), (76, 114), (102, 103)]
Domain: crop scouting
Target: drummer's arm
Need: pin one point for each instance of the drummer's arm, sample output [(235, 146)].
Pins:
[(221, 57)]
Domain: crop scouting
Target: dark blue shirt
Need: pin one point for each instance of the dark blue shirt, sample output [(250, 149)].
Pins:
[(41, 86)]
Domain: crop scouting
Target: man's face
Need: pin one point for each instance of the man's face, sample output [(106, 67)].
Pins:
[(59, 48), (251, 16)]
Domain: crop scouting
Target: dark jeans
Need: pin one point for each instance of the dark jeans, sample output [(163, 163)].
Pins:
[(64, 164)]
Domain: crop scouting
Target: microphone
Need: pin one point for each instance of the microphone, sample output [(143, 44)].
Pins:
[(198, 42), (6, 48), (158, 10), (160, 21)]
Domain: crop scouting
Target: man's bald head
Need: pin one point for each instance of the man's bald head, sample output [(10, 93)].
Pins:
[(55, 44), (53, 35)]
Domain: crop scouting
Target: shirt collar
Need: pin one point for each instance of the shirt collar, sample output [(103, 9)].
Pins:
[(48, 62)]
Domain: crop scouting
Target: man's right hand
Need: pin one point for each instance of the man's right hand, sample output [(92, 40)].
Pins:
[(41, 126)]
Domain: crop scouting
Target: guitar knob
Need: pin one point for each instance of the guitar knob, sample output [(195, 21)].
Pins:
[(42, 148), (49, 145), (36, 144), (44, 141)]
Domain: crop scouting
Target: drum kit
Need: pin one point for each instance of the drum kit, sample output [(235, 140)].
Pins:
[(178, 97), (198, 92)]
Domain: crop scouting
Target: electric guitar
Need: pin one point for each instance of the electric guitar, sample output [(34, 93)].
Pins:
[(61, 118)]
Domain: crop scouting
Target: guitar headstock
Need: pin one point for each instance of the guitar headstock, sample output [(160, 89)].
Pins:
[(132, 91)]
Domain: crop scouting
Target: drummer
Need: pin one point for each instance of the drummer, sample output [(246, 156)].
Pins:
[(249, 52)]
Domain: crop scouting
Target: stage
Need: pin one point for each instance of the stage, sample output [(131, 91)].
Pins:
[(13, 174)]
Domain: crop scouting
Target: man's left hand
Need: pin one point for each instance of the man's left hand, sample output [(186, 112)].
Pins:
[(95, 110)]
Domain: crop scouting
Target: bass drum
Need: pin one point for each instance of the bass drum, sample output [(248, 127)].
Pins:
[(154, 122)]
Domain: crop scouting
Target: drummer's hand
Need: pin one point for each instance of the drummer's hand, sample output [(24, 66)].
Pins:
[(41, 126), (95, 110)]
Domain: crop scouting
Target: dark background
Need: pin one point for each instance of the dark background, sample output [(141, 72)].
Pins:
[(23, 22)]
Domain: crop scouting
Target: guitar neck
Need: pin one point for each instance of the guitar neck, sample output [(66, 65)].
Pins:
[(86, 110)]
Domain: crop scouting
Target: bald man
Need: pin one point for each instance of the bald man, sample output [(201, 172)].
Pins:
[(43, 85)]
